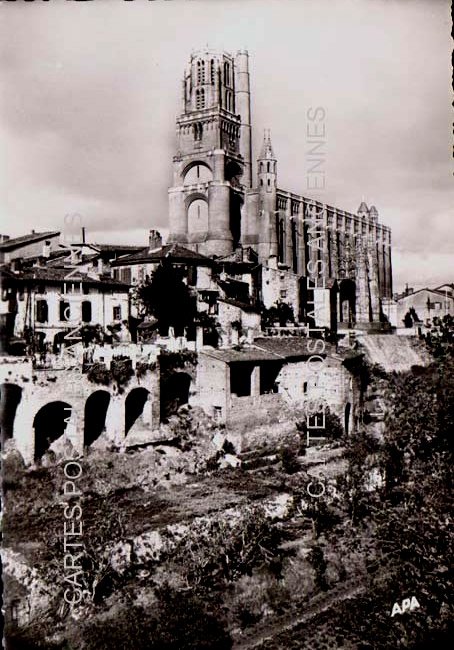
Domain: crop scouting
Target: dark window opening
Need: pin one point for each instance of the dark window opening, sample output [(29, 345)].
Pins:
[(268, 376), (240, 379), (174, 393), (64, 310), (42, 311), (86, 311)]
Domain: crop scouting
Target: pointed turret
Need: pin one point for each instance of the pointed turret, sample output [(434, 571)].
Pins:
[(267, 164), (363, 210), (373, 213)]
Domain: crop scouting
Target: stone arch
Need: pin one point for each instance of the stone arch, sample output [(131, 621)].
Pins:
[(49, 424), (95, 415), (197, 214), (174, 392), (197, 172), (233, 171), (134, 406), (347, 301), (10, 396)]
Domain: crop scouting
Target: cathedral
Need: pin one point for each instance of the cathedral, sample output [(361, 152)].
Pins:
[(336, 259)]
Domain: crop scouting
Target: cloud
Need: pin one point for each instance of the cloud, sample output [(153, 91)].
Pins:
[(90, 96)]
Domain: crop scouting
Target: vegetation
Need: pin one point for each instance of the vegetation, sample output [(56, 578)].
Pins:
[(120, 372), (227, 568), (280, 312), (168, 298)]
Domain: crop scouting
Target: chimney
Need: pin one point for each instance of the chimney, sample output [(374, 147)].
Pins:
[(154, 240), (74, 255), (239, 254), (33, 231), (272, 262), (46, 248), (83, 234)]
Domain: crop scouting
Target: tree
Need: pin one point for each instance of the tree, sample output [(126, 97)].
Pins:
[(168, 298)]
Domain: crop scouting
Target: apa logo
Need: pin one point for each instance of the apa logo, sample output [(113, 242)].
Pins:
[(407, 606)]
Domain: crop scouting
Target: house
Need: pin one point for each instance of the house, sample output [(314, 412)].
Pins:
[(261, 378), (30, 245), (423, 305), (52, 302)]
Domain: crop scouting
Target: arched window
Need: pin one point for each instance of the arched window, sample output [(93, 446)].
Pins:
[(261, 168), (198, 174), (86, 311), (200, 72), (269, 182), (42, 311), (261, 182), (227, 73), (268, 167), (212, 72), (198, 216), (200, 98)]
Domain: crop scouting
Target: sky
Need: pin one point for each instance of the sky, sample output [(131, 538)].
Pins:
[(89, 93)]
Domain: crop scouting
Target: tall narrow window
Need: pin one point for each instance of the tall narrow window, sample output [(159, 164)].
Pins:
[(197, 99), (261, 167), (227, 73), (268, 167), (65, 310), (86, 311), (200, 72), (202, 98), (42, 311), (212, 72)]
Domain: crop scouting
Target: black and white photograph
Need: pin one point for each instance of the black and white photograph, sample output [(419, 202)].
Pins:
[(227, 324)]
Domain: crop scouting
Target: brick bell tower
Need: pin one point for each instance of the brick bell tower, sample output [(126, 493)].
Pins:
[(212, 165)]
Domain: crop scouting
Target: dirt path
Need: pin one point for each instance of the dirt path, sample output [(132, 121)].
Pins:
[(287, 623)]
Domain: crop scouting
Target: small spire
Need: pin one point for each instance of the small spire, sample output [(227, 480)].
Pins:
[(267, 148)]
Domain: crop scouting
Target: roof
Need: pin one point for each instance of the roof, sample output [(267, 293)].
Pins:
[(170, 251), (410, 295), (115, 247), (52, 274), (24, 240), (245, 354), (363, 207), (292, 347), (269, 349)]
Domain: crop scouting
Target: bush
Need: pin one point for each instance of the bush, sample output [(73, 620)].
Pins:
[(289, 459), (178, 621)]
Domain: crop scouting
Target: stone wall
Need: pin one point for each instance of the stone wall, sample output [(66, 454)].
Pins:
[(280, 285), (71, 386)]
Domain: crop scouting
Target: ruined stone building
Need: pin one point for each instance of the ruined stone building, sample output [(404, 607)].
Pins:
[(216, 207)]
